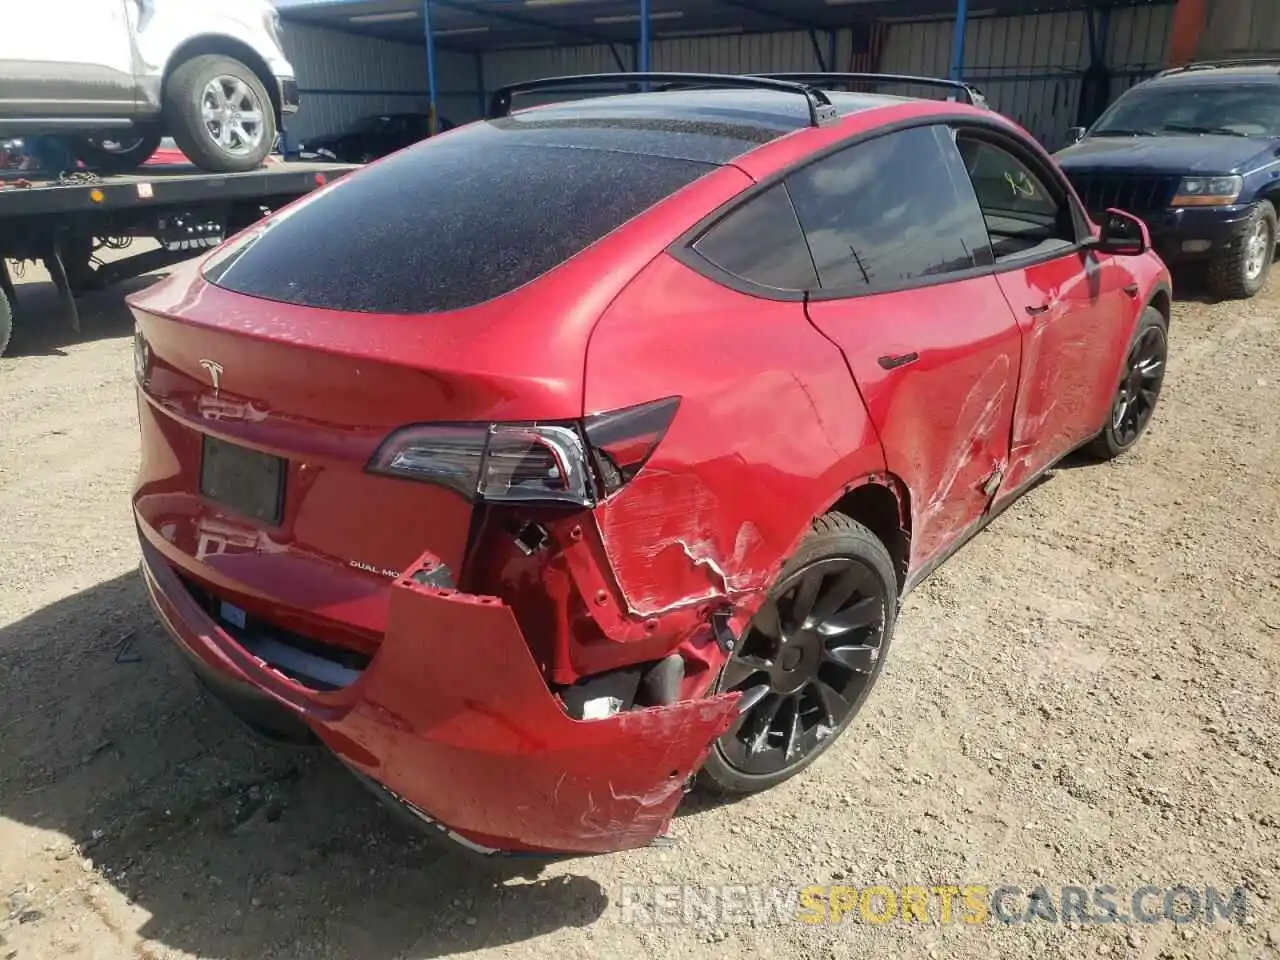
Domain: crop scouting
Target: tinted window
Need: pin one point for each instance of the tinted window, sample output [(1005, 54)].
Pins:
[(888, 211), (1024, 214), (761, 242), (450, 223)]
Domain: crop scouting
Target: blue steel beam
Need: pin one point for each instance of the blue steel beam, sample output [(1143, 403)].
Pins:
[(432, 110), (485, 10), (957, 40), (646, 27), (789, 19)]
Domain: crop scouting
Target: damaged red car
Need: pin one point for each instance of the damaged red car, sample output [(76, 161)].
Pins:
[(576, 455)]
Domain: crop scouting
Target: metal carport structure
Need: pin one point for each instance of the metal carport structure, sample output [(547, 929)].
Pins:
[(1037, 75), (483, 26)]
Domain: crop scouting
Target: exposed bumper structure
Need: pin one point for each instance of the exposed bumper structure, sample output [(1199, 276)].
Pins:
[(453, 719)]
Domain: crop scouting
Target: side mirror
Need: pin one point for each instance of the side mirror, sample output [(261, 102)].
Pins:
[(1075, 134), (1122, 234)]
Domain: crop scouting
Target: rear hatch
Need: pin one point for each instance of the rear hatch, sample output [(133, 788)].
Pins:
[(256, 447), (402, 295)]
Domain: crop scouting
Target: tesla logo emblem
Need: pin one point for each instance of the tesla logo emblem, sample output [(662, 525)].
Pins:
[(214, 369)]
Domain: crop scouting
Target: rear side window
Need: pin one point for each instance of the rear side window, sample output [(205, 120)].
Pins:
[(889, 211), (448, 224), (761, 242)]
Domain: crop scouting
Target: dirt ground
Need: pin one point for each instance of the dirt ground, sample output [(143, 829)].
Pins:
[(1086, 695)]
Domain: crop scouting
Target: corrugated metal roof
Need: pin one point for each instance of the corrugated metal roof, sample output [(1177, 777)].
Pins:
[(482, 25)]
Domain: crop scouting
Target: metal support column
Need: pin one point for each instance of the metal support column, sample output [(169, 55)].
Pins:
[(481, 94), (957, 41), (1095, 82), (1104, 33), (646, 26), (432, 111), (823, 66)]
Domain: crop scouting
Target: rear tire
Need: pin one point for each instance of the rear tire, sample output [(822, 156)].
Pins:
[(848, 639), (220, 114), (1242, 271), (6, 322), (108, 155)]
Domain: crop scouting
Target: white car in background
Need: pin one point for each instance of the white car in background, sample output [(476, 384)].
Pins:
[(116, 76)]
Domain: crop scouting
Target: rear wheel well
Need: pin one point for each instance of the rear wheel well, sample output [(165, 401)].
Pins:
[(226, 47), (883, 506)]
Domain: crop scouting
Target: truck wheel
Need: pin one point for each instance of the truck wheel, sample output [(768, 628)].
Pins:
[(220, 114), (117, 153), (6, 322), (1242, 271)]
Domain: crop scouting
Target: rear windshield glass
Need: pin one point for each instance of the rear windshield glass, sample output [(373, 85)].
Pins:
[(450, 223)]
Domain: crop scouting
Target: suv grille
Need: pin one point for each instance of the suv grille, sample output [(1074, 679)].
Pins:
[(1133, 193)]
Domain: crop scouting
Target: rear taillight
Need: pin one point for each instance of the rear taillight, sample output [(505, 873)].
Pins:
[(577, 462), (622, 441)]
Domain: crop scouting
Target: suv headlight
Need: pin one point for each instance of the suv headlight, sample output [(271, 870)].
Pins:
[(1208, 191)]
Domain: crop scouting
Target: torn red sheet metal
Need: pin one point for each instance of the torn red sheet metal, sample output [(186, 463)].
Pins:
[(752, 456), (487, 754)]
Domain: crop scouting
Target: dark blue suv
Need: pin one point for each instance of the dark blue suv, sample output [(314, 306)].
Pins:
[(1195, 152)]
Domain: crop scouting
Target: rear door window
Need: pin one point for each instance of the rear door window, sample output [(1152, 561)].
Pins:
[(890, 212), (451, 223), (1027, 214), (761, 242)]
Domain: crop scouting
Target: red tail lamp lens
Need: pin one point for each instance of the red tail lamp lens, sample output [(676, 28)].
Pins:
[(530, 462)]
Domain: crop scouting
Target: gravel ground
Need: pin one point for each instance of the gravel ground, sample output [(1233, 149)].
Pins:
[(1086, 695)]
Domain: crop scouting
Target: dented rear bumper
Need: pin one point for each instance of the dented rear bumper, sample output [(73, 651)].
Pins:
[(453, 719)]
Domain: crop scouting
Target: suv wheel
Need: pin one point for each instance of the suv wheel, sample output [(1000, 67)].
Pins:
[(1242, 271), (220, 114), (6, 321), (808, 660), (118, 153)]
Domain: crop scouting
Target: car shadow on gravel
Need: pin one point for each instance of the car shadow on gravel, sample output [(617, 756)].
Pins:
[(42, 327), (1191, 284), (226, 846)]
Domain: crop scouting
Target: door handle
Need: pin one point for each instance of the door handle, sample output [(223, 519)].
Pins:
[(900, 360), (1037, 311)]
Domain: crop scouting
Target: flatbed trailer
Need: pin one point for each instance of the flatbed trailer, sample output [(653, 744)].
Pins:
[(65, 220)]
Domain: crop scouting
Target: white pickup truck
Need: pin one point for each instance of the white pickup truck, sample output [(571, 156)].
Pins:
[(116, 76)]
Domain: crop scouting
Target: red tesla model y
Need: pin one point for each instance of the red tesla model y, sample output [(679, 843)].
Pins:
[(554, 464)]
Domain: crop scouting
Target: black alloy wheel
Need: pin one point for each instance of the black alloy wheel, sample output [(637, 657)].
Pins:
[(1139, 391), (805, 665)]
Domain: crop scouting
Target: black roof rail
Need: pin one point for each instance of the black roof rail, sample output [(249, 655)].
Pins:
[(1219, 64), (972, 95), (821, 110)]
